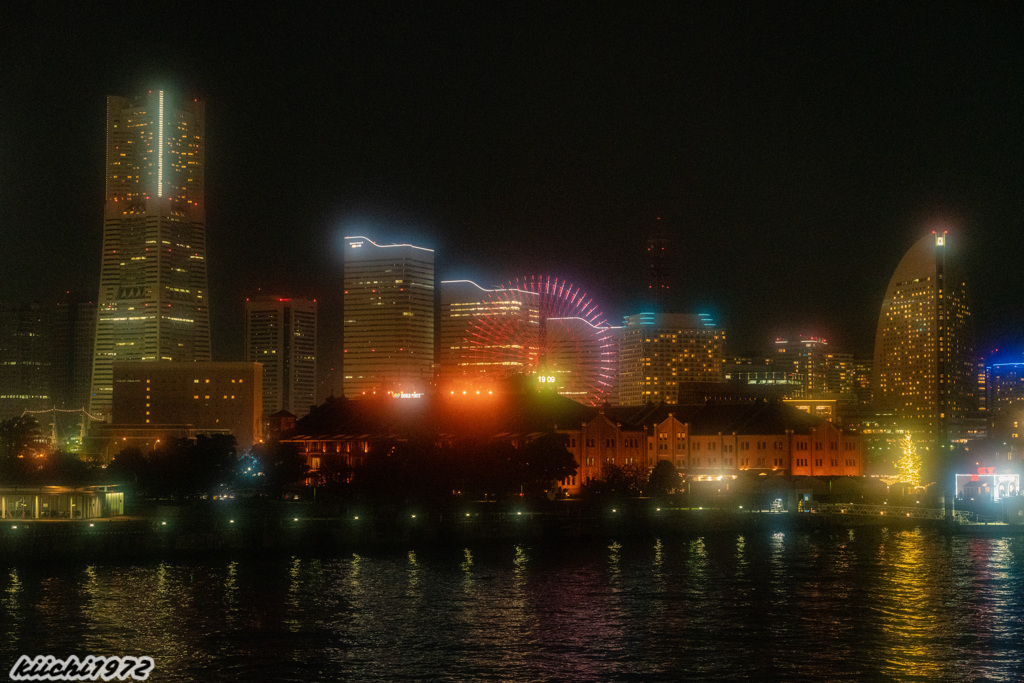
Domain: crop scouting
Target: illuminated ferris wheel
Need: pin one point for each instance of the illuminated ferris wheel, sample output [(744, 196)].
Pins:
[(549, 328)]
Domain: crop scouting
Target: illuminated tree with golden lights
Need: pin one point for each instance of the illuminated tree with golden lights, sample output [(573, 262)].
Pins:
[(909, 465)]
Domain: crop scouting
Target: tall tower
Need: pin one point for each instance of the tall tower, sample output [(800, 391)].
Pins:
[(389, 318), (657, 278), (924, 346), (153, 300), (280, 333)]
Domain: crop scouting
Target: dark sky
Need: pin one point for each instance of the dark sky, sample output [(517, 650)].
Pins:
[(794, 152)]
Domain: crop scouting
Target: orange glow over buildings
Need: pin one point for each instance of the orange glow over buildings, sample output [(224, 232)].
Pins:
[(535, 326), (707, 440), (468, 358)]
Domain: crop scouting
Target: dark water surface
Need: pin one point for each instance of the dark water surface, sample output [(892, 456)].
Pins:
[(869, 605)]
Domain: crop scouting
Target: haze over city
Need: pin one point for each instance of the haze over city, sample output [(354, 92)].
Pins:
[(811, 149), (535, 446)]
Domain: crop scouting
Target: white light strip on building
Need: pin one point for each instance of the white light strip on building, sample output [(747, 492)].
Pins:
[(160, 149)]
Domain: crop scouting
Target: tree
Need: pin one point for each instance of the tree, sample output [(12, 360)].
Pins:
[(61, 467), (537, 465), (17, 438), (281, 464), (909, 464), (18, 435), (664, 479), (130, 466), (628, 480)]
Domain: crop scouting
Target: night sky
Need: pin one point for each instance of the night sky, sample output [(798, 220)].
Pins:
[(793, 152)]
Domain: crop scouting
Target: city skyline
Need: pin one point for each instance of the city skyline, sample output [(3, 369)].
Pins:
[(811, 148)]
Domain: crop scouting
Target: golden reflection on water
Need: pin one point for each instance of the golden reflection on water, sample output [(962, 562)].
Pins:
[(614, 568), (293, 601), (231, 582), (520, 615), (911, 618), (467, 569), (230, 594), (657, 563), (161, 578), (12, 599), (353, 574), (13, 590), (873, 604), (521, 559), (413, 576)]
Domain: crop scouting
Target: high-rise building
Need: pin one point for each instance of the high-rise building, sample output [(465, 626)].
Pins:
[(546, 328), (485, 333), (804, 359), (26, 347), (280, 333), (153, 300), (1005, 384), (657, 260), (924, 347), (389, 318), (659, 353), (74, 334)]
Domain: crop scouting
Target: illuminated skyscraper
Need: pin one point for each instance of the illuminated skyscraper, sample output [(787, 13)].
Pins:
[(389, 318), (805, 361), (660, 352), (153, 299), (924, 346), (485, 334), (538, 326), (280, 333)]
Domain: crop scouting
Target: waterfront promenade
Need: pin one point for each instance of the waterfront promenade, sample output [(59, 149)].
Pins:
[(172, 530)]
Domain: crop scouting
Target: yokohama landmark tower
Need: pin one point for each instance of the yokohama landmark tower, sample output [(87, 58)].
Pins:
[(153, 298)]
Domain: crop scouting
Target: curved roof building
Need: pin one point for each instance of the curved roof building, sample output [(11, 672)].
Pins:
[(924, 346)]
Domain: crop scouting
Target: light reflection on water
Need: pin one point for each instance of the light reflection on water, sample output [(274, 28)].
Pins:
[(855, 605)]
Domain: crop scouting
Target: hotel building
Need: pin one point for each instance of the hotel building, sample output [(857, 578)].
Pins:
[(153, 301), (162, 400), (659, 352), (924, 347), (389, 318)]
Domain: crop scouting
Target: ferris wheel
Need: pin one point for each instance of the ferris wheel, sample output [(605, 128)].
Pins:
[(548, 328)]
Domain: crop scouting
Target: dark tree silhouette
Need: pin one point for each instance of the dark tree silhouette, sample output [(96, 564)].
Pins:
[(282, 465), (664, 479)]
